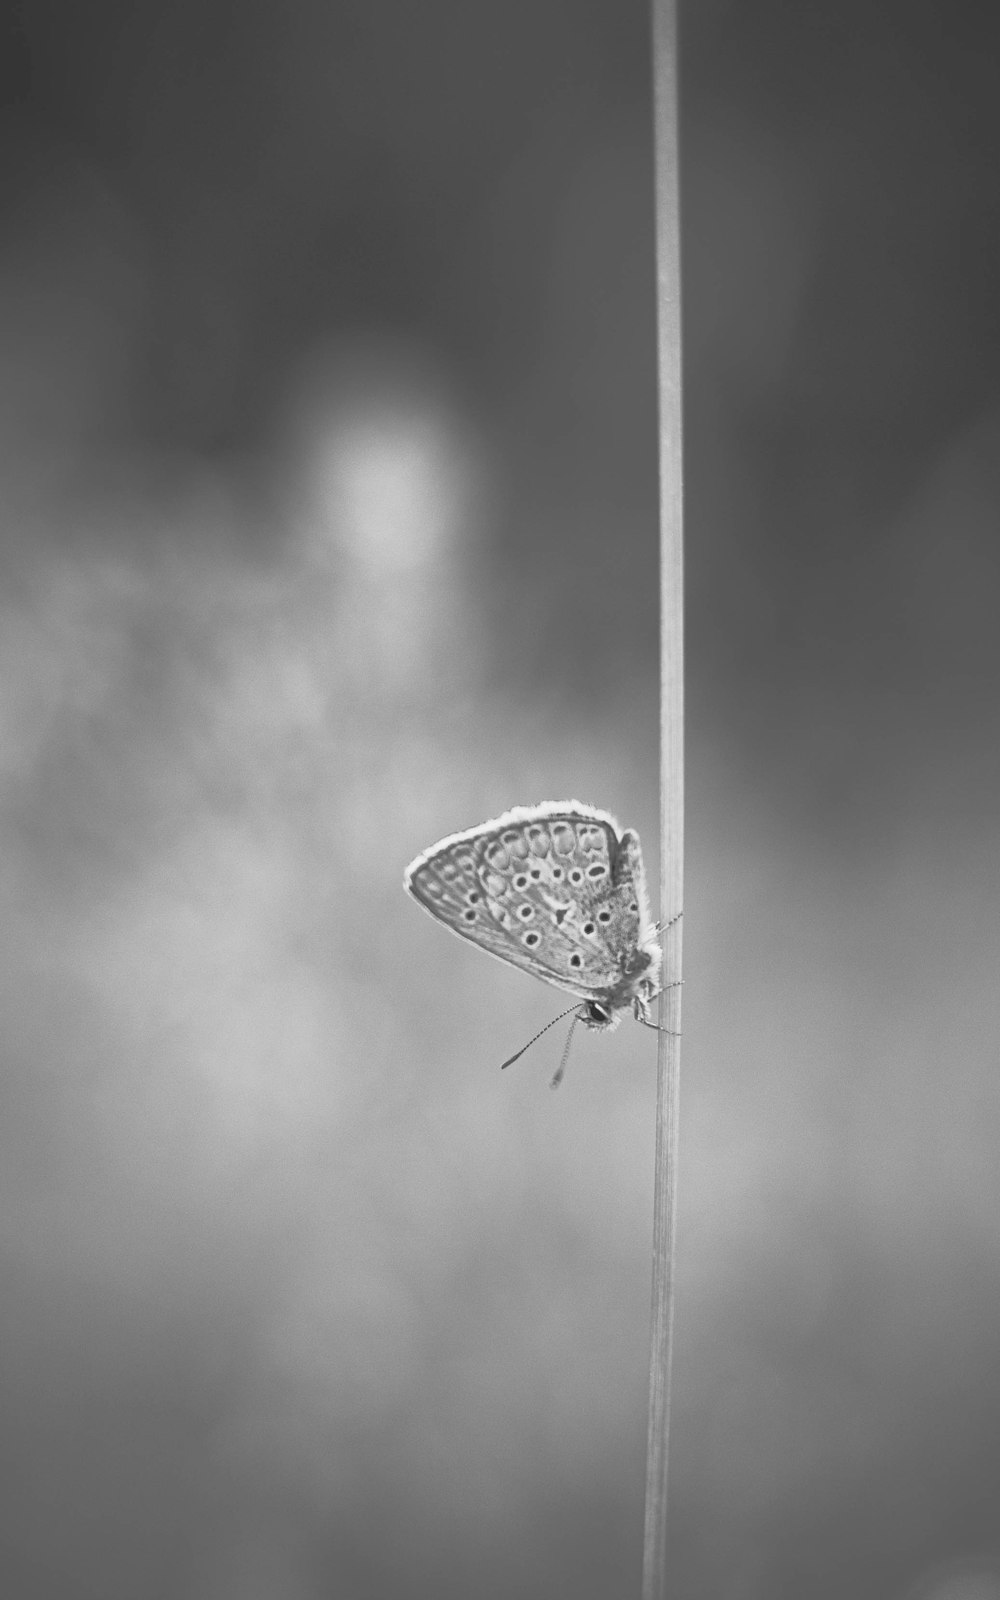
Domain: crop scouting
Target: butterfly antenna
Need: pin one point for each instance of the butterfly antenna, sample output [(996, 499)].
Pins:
[(558, 1074), (511, 1059)]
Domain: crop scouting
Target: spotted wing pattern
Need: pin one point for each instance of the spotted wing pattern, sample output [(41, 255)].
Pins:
[(552, 889)]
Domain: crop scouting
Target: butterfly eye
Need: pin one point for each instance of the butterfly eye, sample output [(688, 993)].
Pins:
[(596, 1012)]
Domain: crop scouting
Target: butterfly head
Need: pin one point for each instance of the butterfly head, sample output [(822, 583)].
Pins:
[(636, 989), (599, 1015)]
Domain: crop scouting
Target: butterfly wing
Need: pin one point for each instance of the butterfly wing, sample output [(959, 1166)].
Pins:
[(551, 889)]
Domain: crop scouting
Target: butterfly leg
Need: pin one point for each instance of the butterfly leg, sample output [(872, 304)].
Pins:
[(640, 1008)]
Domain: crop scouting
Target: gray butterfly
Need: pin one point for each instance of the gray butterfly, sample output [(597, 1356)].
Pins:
[(559, 890)]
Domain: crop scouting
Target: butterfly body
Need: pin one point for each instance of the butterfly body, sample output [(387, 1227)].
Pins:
[(559, 891)]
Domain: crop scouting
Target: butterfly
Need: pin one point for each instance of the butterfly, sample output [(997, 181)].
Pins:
[(558, 890)]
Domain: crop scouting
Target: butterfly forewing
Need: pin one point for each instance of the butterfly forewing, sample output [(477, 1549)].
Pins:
[(551, 889)]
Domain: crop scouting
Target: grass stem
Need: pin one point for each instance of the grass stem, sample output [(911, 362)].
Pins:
[(667, 200)]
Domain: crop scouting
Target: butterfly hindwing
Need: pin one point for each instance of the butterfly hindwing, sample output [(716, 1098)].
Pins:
[(551, 889)]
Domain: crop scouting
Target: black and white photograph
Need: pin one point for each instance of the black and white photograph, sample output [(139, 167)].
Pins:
[(495, 499)]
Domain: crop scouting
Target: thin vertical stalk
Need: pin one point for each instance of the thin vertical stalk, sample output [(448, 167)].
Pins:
[(667, 196)]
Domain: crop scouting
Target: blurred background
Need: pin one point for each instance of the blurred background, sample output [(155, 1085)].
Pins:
[(328, 497)]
